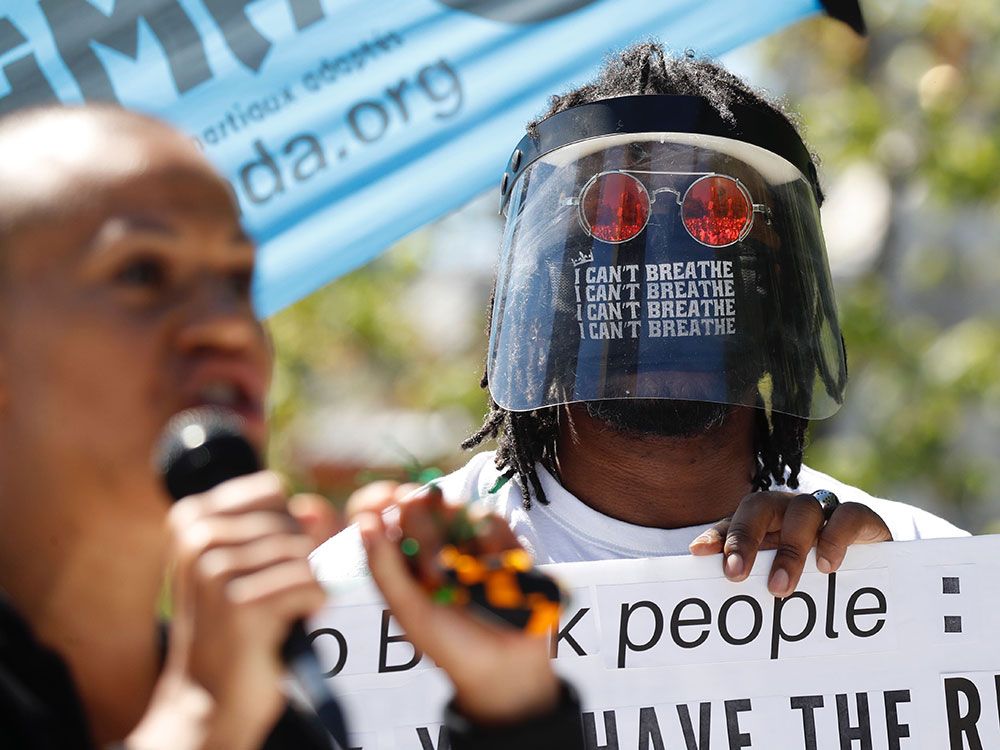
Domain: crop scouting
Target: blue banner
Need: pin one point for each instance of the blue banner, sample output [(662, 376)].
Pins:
[(343, 125)]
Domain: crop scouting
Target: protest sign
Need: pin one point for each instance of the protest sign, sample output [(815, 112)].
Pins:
[(896, 651), (343, 125)]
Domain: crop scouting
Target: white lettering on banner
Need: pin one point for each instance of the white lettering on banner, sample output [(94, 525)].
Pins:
[(328, 103), (896, 651)]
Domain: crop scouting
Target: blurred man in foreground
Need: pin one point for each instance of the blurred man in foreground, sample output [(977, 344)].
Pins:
[(124, 287)]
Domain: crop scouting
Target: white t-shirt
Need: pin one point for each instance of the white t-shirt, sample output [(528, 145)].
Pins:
[(568, 530)]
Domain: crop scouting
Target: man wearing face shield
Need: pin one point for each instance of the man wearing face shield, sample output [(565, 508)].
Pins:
[(662, 329)]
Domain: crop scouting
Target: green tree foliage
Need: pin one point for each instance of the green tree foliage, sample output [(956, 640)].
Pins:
[(920, 103), (361, 341)]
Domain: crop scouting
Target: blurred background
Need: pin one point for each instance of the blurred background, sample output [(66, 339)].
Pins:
[(378, 373)]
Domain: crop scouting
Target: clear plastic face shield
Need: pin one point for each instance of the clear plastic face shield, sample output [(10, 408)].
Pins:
[(665, 266)]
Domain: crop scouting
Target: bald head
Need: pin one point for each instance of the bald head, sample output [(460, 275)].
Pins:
[(60, 163), (47, 154)]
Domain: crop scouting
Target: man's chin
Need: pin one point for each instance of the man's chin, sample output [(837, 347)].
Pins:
[(660, 418)]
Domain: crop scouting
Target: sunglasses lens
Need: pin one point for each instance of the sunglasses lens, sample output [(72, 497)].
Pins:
[(615, 207), (716, 211)]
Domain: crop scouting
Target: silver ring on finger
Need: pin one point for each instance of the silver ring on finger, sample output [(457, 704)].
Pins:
[(828, 502)]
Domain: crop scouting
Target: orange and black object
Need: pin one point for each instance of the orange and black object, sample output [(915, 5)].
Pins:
[(504, 586)]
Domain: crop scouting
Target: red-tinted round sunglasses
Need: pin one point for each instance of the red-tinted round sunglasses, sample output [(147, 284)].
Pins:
[(716, 210)]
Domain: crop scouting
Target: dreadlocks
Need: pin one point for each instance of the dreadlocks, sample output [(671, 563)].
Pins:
[(525, 439)]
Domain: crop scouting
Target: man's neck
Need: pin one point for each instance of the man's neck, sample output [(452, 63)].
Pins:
[(649, 480)]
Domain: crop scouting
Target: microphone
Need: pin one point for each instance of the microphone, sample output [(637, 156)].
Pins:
[(201, 448)]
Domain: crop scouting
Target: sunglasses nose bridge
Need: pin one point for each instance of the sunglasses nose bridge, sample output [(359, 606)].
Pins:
[(654, 194)]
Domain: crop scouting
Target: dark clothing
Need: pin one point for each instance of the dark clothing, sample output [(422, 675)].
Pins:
[(559, 730), (41, 710), (39, 707)]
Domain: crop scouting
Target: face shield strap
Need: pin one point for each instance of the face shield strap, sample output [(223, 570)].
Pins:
[(833, 375), (657, 114)]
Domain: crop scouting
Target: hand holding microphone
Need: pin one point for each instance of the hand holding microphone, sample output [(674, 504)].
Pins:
[(243, 584)]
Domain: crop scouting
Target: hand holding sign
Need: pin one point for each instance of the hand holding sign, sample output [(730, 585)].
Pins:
[(791, 524), (501, 675)]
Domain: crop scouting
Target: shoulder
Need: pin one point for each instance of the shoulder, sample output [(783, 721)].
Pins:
[(472, 482), (906, 522), (343, 556), (340, 556)]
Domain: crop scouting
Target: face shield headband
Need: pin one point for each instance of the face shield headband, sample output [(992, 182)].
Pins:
[(657, 114), (664, 264)]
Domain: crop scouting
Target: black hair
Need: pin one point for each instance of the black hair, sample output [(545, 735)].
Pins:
[(525, 439)]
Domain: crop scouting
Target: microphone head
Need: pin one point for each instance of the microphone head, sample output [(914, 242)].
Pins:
[(201, 448)]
